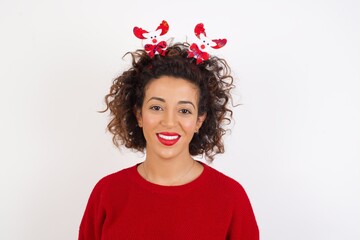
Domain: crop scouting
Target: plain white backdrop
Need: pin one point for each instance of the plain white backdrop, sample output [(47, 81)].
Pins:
[(294, 145)]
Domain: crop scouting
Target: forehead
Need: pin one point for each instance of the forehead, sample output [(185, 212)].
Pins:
[(171, 88)]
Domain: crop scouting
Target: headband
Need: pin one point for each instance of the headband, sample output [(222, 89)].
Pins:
[(154, 43)]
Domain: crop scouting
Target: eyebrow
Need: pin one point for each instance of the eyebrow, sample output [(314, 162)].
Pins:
[(163, 100), (187, 102)]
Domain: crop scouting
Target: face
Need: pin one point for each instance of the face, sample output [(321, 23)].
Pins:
[(169, 117)]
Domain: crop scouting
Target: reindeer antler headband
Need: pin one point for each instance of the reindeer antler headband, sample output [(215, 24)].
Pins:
[(198, 50), (153, 44)]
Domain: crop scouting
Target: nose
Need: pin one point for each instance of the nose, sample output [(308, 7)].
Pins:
[(154, 40), (169, 119)]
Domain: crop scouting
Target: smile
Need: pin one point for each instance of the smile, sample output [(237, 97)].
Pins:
[(168, 139)]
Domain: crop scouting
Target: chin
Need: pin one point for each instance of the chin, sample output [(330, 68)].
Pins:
[(168, 154)]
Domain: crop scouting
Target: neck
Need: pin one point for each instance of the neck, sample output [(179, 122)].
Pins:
[(168, 171)]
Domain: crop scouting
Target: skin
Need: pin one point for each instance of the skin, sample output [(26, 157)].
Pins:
[(170, 106)]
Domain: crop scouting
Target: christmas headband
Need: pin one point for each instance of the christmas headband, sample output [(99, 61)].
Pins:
[(153, 43)]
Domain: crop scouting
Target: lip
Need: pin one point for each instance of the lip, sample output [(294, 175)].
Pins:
[(168, 138)]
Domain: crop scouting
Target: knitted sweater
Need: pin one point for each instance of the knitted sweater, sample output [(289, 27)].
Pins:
[(124, 206)]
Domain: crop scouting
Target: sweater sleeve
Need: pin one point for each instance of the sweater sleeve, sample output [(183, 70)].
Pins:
[(243, 224), (94, 216)]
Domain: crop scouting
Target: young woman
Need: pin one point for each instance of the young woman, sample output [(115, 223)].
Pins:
[(172, 108)]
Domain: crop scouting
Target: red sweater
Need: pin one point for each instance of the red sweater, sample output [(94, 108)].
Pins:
[(124, 206)]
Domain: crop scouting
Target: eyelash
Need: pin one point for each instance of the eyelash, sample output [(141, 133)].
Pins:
[(183, 111), (156, 108)]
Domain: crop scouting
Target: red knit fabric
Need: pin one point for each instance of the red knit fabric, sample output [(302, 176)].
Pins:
[(125, 206)]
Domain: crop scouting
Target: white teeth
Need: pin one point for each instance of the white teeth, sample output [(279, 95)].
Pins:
[(168, 137)]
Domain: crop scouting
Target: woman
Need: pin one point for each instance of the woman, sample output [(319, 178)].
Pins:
[(174, 108)]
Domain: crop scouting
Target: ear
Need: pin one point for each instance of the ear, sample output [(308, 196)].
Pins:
[(200, 121), (138, 116)]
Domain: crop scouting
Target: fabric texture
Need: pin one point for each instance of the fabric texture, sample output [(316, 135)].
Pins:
[(123, 205)]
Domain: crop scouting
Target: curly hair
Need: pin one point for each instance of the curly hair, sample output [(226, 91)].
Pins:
[(212, 77)]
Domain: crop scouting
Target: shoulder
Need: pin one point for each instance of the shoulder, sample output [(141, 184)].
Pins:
[(225, 184), (232, 193), (118, 180)]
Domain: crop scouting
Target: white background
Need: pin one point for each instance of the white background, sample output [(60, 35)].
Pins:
[(295, 143)]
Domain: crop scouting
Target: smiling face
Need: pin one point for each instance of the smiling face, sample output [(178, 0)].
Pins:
[(169, 117), (152, 37), (206, 43)]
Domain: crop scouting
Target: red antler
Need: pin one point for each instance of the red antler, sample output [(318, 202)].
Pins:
[(219, 43), (139, 32), (199, 28), (164, 26)]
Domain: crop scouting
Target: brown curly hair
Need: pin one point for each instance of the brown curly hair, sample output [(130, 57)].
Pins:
[(212, 77)]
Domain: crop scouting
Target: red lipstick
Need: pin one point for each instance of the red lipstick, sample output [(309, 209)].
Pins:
[(168, 138)]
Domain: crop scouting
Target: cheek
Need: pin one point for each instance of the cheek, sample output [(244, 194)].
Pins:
[(149, 121), (189, 125)]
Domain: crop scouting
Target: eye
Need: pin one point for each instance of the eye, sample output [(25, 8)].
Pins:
[(156, 108), (185, 111)]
